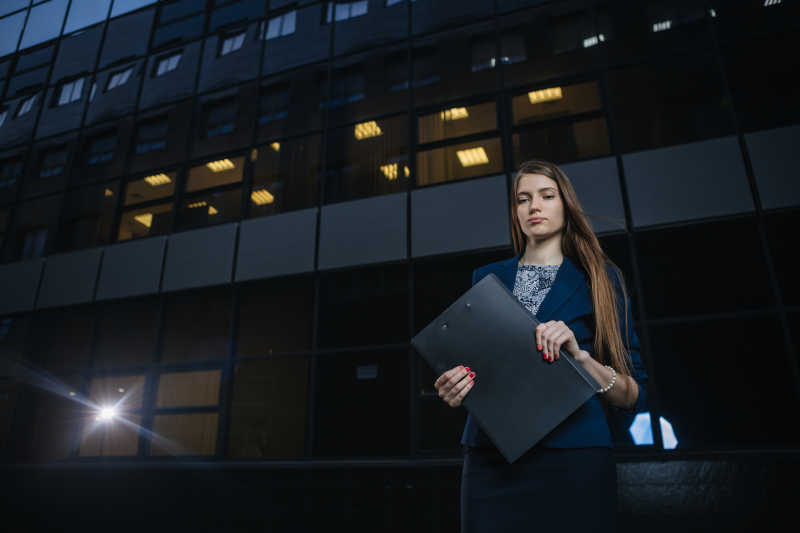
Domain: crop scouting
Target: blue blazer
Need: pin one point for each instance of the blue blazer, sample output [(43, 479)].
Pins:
[(570, 300)]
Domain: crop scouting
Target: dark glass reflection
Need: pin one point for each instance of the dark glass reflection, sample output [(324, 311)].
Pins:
[(151, 187), (367, 159), (362, 407), (555, 102), (34, 223), (782, 236), (197, 325), (275, 316), (126, 333), (89, 216), (286, 176), (562, 141), (695, 364), (722, 255), (269, 409), (364, 306), (61, 338), (214, 173)]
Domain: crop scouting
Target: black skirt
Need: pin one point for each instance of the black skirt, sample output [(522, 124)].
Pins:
[(547, 489)]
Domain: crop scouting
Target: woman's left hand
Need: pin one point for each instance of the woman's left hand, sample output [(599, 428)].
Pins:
[(551, 336)]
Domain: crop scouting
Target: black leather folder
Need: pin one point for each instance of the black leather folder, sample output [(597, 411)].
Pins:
[(518, 397)]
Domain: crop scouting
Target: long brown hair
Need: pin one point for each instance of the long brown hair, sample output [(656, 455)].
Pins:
[(580, 244)]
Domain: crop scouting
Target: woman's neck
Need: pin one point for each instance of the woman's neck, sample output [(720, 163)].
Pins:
[(543, 253)]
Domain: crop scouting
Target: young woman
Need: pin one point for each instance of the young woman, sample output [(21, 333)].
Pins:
[(561, 274)]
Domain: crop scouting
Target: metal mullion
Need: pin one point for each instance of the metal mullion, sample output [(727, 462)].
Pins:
[(653, 397), (413, 409)]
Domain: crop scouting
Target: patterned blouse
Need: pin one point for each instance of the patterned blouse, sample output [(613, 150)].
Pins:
[(533, 283)]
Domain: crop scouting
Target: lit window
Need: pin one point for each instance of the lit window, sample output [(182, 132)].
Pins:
[(232, 43), (70, 92), (119, 78), (279, 26), (26, 105), (168, 64), (395, 2), (346, 10)]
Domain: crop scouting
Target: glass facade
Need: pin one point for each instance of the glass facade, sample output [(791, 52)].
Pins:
[(132, 121)]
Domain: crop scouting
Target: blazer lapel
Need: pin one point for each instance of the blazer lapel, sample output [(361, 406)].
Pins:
[(568, 279)]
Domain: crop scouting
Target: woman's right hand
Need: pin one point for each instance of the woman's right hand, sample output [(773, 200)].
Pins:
[(454, 384)]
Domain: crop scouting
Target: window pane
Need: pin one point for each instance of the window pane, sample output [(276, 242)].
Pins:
[(211, 208), (213, 173), (126, 332), (696, 364), (83, 13), (10, 28), (185, 434), (61, 338), (182, 389), (123, 392), (88, 218), (275, 316), (269, 411), (286, 176), (444, 68), (112, 438), (198, 325), (555, 102), (51, 425), (8, 6), (367, 159), (358, 387), (674, 286), (39, 215), (124, 6), (459, 161), (649, 115), (44, 22), (349, 300), (562, 142), (457, 121), (146, 221), (158, 185)]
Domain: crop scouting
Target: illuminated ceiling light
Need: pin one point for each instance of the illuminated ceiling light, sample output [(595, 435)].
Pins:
[(158, 179), (120, 389), (454, 113), (472, 157), (253, 154), (768, 3), (545, 95), (390, 171), (109, 192), (276, 146), (593, 40), (261, 197), (219, 166), (712, 12), (662, 26), (197, 204), (106, 414), (145, 219), (367, 129), (71, 393), (212, 210)]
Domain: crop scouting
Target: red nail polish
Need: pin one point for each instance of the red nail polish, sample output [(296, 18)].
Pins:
[(466, 368), (472, 374), (539, 347)]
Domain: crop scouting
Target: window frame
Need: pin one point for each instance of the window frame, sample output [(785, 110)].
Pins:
[(281, 19), (231, 36), (115, 75), (70, 86)]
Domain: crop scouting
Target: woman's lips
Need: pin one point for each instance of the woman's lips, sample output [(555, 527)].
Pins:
[(535, 220)]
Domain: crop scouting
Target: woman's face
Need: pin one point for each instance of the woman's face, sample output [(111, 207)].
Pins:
[(538, 199)]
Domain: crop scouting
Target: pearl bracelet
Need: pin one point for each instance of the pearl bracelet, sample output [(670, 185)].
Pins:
[(613, 380)]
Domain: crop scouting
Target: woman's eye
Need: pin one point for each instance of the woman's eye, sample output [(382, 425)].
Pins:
[(548, 197)]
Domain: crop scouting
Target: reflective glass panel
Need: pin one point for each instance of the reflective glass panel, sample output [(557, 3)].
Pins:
[(216, 172), (555, 102), (457, 121), (89, 216), (44, 23), (269, 411), (459, 161), (561, 142), (185, 434), (151, 187), (182, 389), (210, 208), (145, 221), (286, 176), (83, 13)]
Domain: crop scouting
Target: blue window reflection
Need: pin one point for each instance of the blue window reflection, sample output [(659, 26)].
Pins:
[(642, 432)]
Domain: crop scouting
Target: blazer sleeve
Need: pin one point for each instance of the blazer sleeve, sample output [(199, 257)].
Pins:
[(631, 342)]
